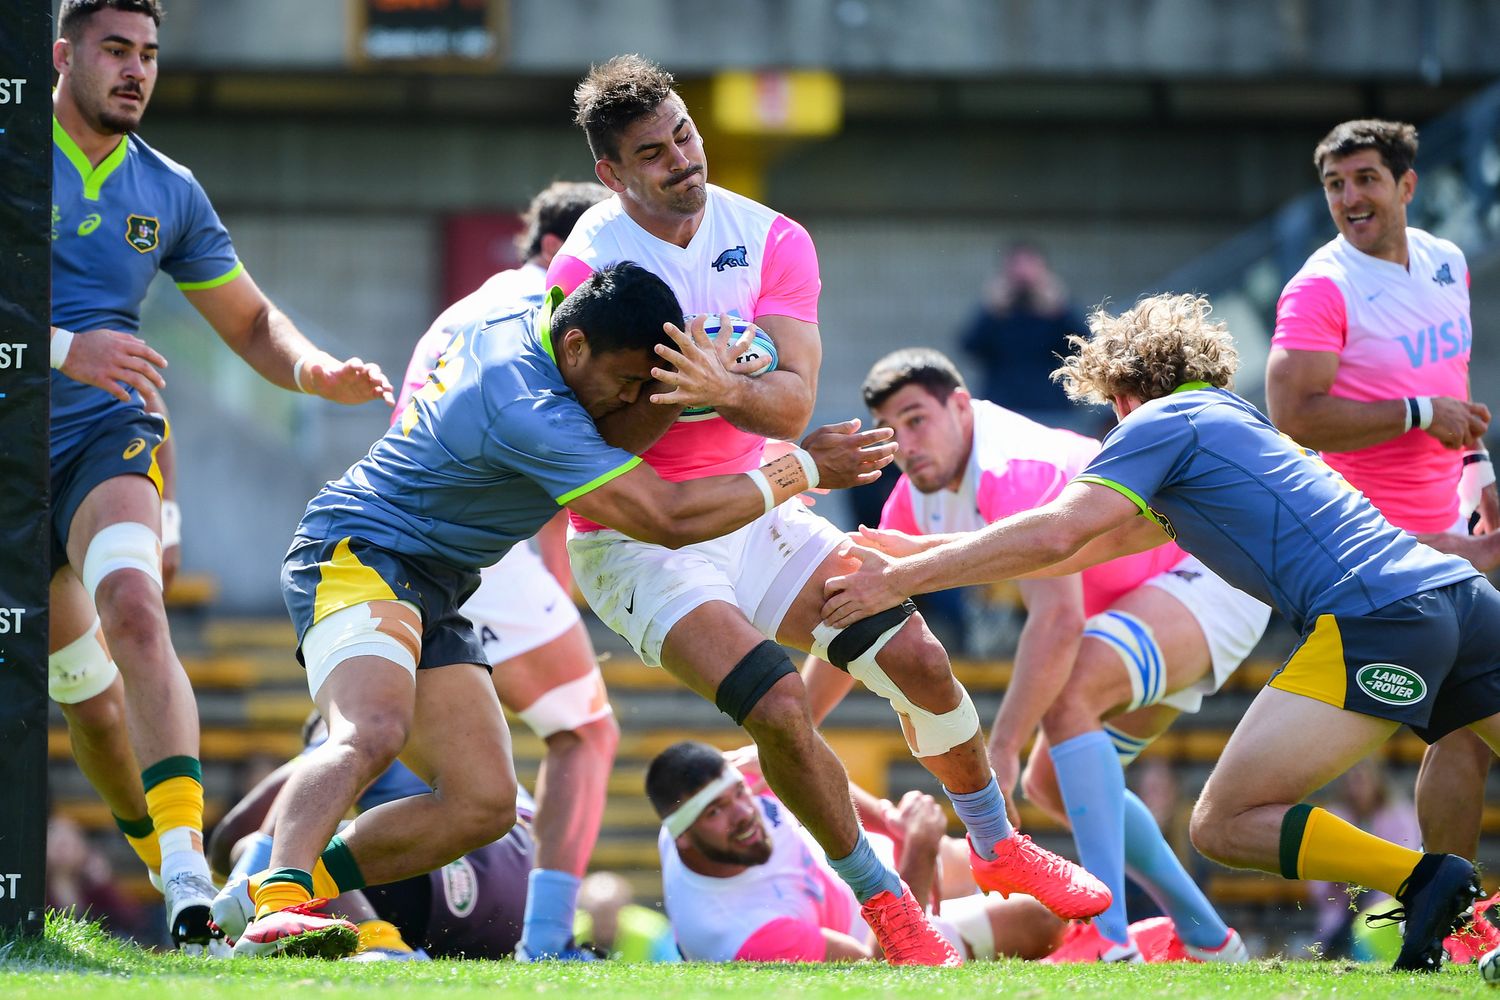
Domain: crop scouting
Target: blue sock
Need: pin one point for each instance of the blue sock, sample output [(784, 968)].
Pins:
[(551, 899), (255, 857), (983, 814), (1093, 789), (865, 873), (1154, 864)]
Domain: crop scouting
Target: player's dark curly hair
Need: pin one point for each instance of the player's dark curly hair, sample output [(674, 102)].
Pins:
[(615, 94), (74, 14), (555, 212), (619, 308), (923, 366), (1396, 142), (677, 773)]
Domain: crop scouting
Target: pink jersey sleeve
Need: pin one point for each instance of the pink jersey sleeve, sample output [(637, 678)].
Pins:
[(1026, 484), (567, 272), (789, 279), (429, 349), (897, 513), (1310, 316), (785, 939)]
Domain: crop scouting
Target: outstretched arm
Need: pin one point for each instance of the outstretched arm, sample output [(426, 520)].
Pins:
[(1016, 546)]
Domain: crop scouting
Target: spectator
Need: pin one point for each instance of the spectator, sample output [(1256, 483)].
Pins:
[(79, 879), (1018, 334)]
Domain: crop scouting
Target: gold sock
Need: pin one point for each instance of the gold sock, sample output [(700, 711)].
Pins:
[(176, 803), (323, 883), (381, 934), (1333, 850), (274, 896)]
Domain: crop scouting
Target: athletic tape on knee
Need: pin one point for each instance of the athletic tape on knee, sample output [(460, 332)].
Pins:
[(1135, 642), (126, 545), (82, 669), (362, 630), (1127, 746), (928, 734), (756, 673), (970, 916), (568, 706)]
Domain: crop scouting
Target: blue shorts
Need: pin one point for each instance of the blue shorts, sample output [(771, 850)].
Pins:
[(1430, 661), (126, 446), (471, 908), (320, 576)]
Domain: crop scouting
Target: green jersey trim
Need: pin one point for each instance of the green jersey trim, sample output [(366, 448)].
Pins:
[(1190, 386), (1133, 497), (93, 177), (598, 481), (544, 324), (223, 279)]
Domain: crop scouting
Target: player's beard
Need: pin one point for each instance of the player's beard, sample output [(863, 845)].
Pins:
[(757, 853), (685, 198)]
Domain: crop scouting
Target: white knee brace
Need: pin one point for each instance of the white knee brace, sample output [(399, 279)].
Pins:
[(125, 545), (81, 669), (1136, 644), (569, 706), (853, 649)]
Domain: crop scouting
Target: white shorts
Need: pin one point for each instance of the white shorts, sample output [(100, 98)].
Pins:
[(1232, 622), (641, 590), (518, 606)]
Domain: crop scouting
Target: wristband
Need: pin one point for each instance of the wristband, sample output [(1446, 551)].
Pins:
[(297, 370), (759, 479), (62, 342), (809, 467), (1477, 472), (1422, 416), (171, 524)]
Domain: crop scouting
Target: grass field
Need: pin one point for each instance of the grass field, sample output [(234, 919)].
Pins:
[(77, 961)]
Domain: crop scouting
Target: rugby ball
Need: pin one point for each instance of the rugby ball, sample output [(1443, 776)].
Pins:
[(760, 348), (1489, 967)]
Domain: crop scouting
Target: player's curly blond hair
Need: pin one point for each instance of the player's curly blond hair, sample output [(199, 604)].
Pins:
[(1149, 350)]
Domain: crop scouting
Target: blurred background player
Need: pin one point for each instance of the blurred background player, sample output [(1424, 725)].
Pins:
[(545, 668), (121, 213), (1136, 640), (499, 438), (712, 615), (1392, 632), (612, 923), (1018, 332), (744, 881), (1383, 309)]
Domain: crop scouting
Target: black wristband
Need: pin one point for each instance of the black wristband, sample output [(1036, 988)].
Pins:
[(1415, 420)]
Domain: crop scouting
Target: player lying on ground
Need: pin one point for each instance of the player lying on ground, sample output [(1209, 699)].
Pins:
[(1135, 640), (511, 425), (744, 881), (1393, 632)]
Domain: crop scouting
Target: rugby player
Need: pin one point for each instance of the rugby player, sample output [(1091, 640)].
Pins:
[(1136, 640), (744, 881), (712, 614), (545, 669), (1393, 632), (122, 212), (1369, 365), (502, 435)]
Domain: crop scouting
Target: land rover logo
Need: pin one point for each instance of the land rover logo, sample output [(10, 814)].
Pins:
[(460, 887), (1391, 684)]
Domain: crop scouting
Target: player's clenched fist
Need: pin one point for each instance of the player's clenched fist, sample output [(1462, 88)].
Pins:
[(847, 456), (106, 358)]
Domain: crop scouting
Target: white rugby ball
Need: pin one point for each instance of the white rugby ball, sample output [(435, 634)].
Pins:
[(1489, 967), (760, 348)]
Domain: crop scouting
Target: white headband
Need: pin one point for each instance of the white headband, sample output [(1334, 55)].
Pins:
[(685, 815)]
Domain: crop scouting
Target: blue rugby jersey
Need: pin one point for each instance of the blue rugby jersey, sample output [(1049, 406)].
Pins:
[(113, 227), (1262, 512), (483, 455)]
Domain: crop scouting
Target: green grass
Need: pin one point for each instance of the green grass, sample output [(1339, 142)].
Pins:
[(78, 961)]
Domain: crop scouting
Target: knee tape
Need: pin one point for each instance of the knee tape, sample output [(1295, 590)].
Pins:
[(1136, 644), (568, 706), (744, 686), (1127, 746), (81, 669), (391, 630), (126, 545), (854, 648)]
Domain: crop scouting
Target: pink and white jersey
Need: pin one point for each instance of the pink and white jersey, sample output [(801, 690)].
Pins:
[(1398, 331), (520, 288), (1015, 465), (745, 260), (773, 912)]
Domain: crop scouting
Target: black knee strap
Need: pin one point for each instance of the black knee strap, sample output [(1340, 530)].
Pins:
[(850, 644), (744, 686)]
